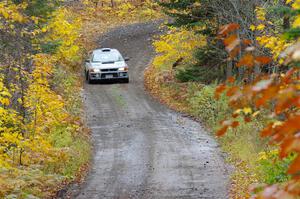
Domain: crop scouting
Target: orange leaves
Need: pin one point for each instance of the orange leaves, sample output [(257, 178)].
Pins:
[(233, 45), (263, 60), (268, 131), (286, 104), (226, 29), (247, 42), (225, 125), (231, 39), (249, 60), (222, 131), (246, 60), (221, 88), (277, 93), (289, 145), (294, 167), (235, 124), (231, 80), (231, 91)]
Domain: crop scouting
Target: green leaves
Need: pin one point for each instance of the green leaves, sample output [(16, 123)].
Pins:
[(292, 34)]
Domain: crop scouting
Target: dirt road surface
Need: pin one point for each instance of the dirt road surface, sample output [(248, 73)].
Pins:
[(143, 150)]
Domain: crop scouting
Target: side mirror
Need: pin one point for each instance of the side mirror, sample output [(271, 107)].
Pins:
[(126, 58)]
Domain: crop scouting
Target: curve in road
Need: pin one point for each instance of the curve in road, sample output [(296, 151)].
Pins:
[(142, 149)]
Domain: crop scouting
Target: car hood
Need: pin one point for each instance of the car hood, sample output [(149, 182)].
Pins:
[(120, 64)]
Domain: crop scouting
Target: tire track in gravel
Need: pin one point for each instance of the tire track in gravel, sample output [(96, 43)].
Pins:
[(143, 150)]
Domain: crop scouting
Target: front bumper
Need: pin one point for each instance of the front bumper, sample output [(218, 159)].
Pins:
[(110, 75)]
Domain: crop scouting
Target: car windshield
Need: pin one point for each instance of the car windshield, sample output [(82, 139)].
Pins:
[(107, 57)]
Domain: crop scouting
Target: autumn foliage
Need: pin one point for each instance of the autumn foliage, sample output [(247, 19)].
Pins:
[(276, 92), (36, 122)]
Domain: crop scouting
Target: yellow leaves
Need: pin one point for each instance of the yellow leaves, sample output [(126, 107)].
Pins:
[(44, 29), (275, 44), (296, 5), (4, 94), (260, 13), (261, 16), (260, 27), (46, 106), (176, 44), (124, 9), (262, 156), (26, 139), (252, 27), (61, 28), (268, 155), (46, 111), (4, 101), (11, 12), (296, 22), (8, 138), (246, 110)]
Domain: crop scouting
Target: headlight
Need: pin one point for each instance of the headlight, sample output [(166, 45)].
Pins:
[(123, 69), (95, 70)]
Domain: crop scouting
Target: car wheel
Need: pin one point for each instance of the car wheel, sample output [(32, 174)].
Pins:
[(86, 75), (88, 78), (126, 80)]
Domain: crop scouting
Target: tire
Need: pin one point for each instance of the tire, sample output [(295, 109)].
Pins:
[(88, 79), (86, 75), (126, 80)]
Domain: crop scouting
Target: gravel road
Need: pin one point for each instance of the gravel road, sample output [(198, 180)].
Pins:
[(143, 150)]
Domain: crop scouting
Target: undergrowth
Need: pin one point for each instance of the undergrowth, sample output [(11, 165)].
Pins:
[(74, 32), (246, 151)]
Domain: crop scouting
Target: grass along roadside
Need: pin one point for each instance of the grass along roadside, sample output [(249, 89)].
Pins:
[(57, 149), (252, 158), (250, 155), (94, 23), (51, 142)]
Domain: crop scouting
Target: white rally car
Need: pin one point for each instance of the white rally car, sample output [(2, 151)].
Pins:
[(105, 64)]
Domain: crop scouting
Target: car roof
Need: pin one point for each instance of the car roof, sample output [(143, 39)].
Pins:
[(106, 50)]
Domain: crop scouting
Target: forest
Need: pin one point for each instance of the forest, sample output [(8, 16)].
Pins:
[(233, 65)]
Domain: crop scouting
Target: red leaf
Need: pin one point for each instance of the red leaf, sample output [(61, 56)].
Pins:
[(247, 42), (221, 88), (287, 78), (232, 91), (235, 115), (268, 131), (286, 147), (295, 166), (247, 60), (247, 119), (231, 79), (222, 131), (231, 39), (233, 50), (235, 124), (224, 30), (263, 60)]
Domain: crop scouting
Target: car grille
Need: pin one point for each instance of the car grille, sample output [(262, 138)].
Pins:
[(109, 70)]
